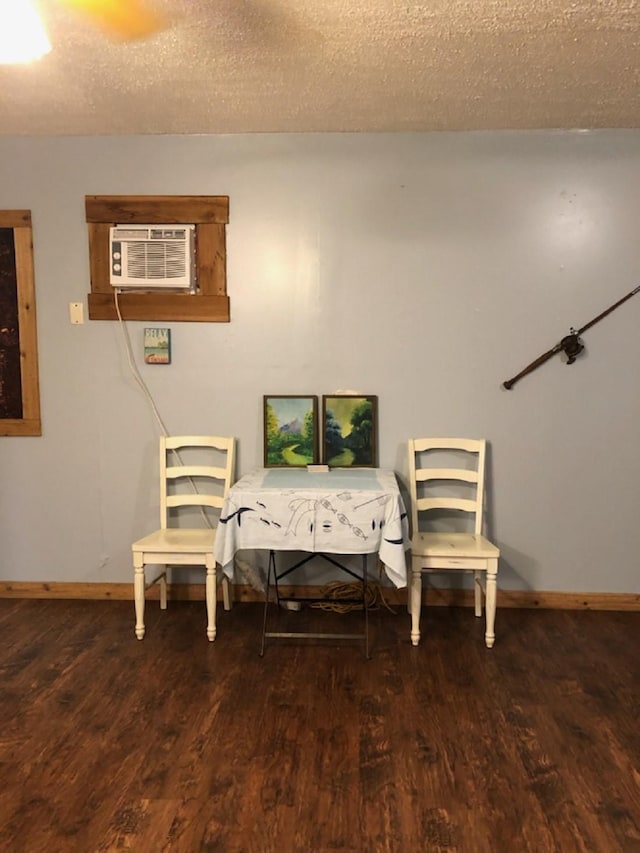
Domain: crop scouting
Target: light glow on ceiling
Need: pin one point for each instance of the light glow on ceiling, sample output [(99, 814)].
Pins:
[(22, 34)]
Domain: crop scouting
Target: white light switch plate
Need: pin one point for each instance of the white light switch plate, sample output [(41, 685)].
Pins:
[(76, 313)]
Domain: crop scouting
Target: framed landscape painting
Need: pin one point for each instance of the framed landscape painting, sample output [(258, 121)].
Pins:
[(290, 431), (350, 426)]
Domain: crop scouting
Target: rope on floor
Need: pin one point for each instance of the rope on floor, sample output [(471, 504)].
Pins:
[(338, 590)]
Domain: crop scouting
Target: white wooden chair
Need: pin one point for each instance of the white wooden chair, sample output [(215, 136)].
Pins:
[(447, 491), (195, 473)]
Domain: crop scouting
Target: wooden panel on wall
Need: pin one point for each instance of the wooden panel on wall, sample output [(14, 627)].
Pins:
[(15, 218), (212, 259), (21, 336), (185, 307), (210, 214), (157, 209), (100, 259)]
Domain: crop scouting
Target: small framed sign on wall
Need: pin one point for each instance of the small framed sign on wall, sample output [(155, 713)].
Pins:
[(157, 346)]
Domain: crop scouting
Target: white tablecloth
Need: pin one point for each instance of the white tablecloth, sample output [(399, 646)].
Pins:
[(343, 511)]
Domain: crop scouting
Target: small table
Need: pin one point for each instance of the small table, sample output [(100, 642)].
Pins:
[(344, 511)]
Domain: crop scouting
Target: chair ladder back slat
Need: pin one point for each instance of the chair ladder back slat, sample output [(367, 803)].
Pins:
[(460, 474), (471, 445), (461, 504), (175, 442), (175, 472), (423, 475), (199, 499)]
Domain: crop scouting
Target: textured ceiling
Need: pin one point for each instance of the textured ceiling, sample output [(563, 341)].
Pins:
[(241, 66)]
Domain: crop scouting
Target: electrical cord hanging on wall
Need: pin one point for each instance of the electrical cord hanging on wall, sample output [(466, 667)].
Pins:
[(134, 368), (143, 385)]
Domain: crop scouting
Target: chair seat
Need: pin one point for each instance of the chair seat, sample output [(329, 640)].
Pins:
[(453, 545), (185, 540)]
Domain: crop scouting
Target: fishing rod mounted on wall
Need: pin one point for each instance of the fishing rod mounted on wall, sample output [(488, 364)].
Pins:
[(571, 345)]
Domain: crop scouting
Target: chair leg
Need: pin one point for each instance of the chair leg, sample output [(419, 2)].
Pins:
[(272, 565), (490, 603), (163, 588), (477, 586), (408, 561), (210, 587), (138, 593), (365, 607), (227, 593), (415, 597)]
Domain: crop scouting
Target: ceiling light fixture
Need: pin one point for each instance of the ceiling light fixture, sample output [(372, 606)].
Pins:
[(22, 34)]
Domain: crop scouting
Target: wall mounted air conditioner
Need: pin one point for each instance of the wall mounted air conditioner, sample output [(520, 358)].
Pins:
[(150, 256)]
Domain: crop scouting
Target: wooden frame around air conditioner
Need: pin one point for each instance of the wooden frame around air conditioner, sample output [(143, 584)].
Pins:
[(210, 214)]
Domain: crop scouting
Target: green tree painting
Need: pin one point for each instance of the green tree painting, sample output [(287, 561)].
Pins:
[(290, 431), (350, 425)]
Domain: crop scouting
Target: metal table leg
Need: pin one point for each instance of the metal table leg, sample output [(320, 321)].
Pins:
[(272, 569)]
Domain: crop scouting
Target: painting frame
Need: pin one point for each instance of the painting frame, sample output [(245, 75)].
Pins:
[(286, 415), (18, 344), (338, 410), (157, 345)]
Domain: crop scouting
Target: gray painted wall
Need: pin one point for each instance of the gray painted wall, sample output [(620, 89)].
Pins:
[(424, 268)]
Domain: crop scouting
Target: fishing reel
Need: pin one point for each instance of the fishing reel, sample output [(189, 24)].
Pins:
[(571, 345)]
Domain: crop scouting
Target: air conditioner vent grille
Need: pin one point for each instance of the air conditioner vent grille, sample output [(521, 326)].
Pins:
[(157, 260)]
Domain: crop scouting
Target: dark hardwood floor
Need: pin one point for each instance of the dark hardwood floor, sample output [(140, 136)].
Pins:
[(176, 744)]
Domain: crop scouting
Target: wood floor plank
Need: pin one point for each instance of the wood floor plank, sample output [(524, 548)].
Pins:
[(177, 744)]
